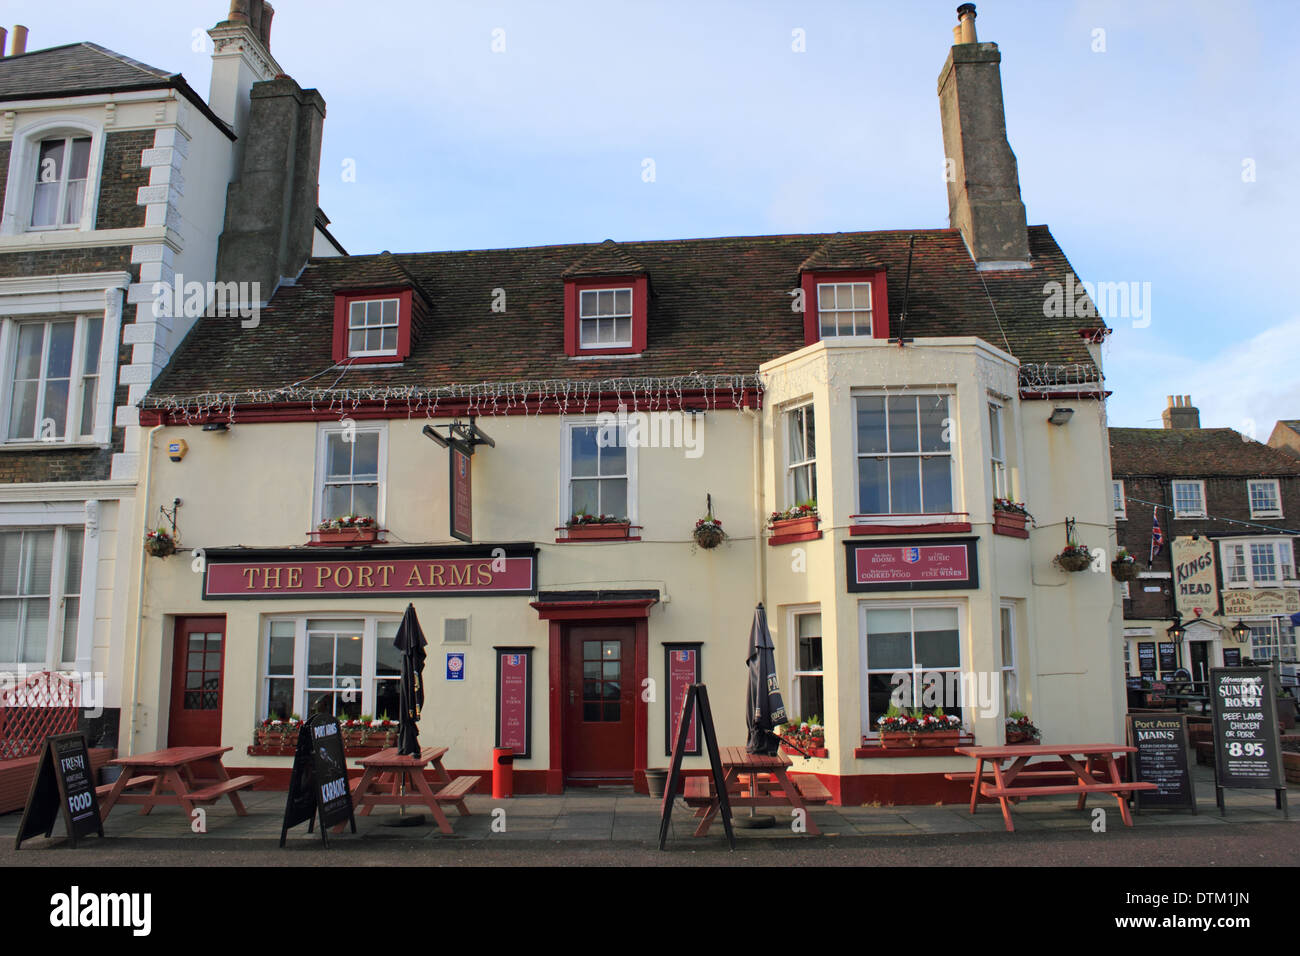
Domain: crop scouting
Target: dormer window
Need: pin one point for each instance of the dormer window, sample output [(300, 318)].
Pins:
[(844, 308), (375, 325), (845, 305), (605, 318), (605, 315)]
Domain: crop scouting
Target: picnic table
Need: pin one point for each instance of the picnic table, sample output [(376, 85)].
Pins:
[(169, 775), (1089, 768), (765, 784), (391, 779)]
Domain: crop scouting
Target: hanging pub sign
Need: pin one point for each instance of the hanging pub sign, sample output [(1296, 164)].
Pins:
[(318, 782), (1147, 658), (460, 571), (64, 785), (682, 666), (934, 564), (1194, 580), (1161, 759), (1247, 751), (460, 442), (515, 700)]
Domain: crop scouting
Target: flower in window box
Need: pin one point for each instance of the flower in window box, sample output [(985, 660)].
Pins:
[(708, 532), (348, 529), (801, 519), (918, 728), (1010, 507), (1074, 557), (1020, 729), (160, 543), (596, 527)]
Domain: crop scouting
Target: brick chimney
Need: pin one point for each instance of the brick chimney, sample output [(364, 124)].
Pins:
[(1181, 413), (983, 186)]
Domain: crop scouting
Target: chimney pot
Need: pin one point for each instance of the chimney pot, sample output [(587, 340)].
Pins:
[(3, 35), (1181, 413), (20, 40), (966, 23)]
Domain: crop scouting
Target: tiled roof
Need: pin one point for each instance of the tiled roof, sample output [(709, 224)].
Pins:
[(1194, 453), (87, 68), (607, 259), (839, 253), (720, 306)]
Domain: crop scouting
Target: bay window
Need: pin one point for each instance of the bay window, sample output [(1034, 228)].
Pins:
[(997, 454), (913, 659), (40, 595), (1272, 640), (345, 666), (904, 451), (806, 675), (1255, 563)]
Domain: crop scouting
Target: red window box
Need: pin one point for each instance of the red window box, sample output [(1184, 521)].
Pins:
[(345, 537), (939, 738), (795, 529), (598, 531), (1010, 524), (809, 751)]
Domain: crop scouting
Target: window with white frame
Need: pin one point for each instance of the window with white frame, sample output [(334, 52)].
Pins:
[(40, 595), (605, 318), (1272, 640), (904, 454), (599, 470), (372, 327), (913, 659), (1117, 500), (1254, 563), (1265, 498), (801, 444), (1189, 499), (1010, 689), (346, 666), (844, 308), (998, 456), (62, 175), (806, 672), (52, 375), (351, 462)]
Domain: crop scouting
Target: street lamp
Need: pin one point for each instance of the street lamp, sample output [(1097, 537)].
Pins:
[(1176, 630), (1240, 632)]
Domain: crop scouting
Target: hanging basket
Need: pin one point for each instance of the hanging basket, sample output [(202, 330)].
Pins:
[(1073, 562), (159, 545), (708, 536), (1125, 570)]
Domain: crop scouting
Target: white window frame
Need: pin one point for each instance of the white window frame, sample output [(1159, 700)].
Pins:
[(809, 463), (1277, 496), (61, 518), (852, 312), (1281, 559), (322, 449), (865, 669), (1282, 639), (23, 160), (565, 503), (954, 484), (369, 637), (998, 449), (797, 708), (396, 326), (613, 316), (1119, 502), (1009, 669), (1174, 493)]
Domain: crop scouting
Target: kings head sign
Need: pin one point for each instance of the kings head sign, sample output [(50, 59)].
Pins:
[(1194, 587), (401, 572)]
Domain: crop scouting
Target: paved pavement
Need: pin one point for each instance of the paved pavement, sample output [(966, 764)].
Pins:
[(603, 821)]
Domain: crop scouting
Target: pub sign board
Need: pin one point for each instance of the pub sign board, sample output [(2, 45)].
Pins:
[(908, 564), (318, 782), (1147, 658), (1247, 751), (461, 500), (474, 571), (682, 665), (64, 785), (1161, 759), (515, 700)]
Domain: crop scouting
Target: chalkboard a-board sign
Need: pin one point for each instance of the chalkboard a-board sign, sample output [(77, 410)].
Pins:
[(318, 783), (1161, 759), (1247, 750), (64, 784)]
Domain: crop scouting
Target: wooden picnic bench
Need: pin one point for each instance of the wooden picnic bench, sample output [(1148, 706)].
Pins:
[(391, 779), (172, 770), (754, 780), (1089, 768)]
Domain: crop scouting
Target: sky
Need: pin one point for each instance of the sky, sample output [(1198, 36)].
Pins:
[(1158, 140)]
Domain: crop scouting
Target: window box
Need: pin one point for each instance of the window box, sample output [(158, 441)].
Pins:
[(1010, 524), (796, 525), (1020, 738), (345, 537), (597, 531), (945, 739), (806, 751)]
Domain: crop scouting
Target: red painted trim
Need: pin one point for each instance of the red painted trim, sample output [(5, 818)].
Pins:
[(640, 312), (641, 709), (1011, 532), (790, 538), (961, 527), (342, 300), (879, 301), (878, 752), (555, 774), (593, 610), (1033, 395), (1095, 335), (378, 410)]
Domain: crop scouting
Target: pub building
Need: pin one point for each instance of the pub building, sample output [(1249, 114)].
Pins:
[(1223, 587), (473, 404)]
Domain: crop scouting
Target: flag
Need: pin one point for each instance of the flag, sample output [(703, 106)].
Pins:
[(1157, 537)]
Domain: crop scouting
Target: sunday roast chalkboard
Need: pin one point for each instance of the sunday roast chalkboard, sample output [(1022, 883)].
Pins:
[(318, 783), (64, 784), (1247, 751), (1161, 759)]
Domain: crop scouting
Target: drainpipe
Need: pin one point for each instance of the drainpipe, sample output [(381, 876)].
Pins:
[(760, 555), (139, 601)]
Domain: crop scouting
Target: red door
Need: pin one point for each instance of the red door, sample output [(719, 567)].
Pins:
[(599, 707), (197, 664)]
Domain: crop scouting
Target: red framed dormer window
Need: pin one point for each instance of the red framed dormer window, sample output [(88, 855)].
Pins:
[(373, 326), (844, 305), (605, 315)]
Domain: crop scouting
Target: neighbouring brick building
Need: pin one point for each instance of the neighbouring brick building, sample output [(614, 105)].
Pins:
[(1229, 512), (114, 184)]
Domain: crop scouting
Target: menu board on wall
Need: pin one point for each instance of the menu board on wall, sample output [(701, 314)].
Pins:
[(682, 667), (1161, 759), (1246, 745), (930, 565), (1232, 657), (1168, 658), (1147, 658), (514, 707)]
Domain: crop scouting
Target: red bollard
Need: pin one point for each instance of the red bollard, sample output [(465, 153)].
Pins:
[(503, 772)]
